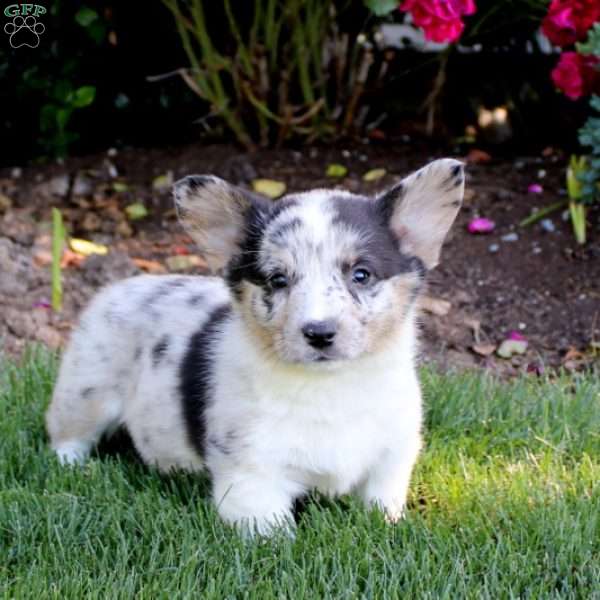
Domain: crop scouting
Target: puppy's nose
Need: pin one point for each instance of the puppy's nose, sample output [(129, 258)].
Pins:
[(319, 334)]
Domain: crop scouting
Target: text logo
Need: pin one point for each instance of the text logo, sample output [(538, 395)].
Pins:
[(24, 29)]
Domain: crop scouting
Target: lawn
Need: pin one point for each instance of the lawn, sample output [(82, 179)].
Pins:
[(505, 503)]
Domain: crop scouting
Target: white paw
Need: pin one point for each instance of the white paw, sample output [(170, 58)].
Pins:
[(72, 453)]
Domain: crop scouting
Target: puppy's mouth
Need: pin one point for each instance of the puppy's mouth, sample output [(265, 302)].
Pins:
[(325, 356)]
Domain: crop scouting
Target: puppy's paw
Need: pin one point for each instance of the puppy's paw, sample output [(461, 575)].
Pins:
[(257, 527), (72, 452)]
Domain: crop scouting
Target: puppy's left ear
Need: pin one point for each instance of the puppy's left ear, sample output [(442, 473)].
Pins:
[(423, 206)]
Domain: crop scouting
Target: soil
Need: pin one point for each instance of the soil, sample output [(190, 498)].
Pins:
[(534, 280)]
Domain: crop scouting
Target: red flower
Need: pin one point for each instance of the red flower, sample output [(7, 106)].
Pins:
[(576, 74), (440, 19), (567, 21)]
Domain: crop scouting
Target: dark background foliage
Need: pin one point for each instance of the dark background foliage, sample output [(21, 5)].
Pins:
[(113, 47)]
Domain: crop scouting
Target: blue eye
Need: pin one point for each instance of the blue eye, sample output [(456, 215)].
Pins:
[(278, 281), (361, 276)]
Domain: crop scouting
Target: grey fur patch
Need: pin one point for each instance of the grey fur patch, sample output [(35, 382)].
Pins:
[(380, 250), (282, 229), (86, 393), (196, 299)]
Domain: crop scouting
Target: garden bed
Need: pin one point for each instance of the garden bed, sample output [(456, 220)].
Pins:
[(533, 280)]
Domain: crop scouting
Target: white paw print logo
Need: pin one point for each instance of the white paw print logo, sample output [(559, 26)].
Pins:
[(24, 31)]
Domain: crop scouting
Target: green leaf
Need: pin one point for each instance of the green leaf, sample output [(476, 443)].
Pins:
[(62, 118), (85, 16), (382, 7), (83, 96), (48, 117)]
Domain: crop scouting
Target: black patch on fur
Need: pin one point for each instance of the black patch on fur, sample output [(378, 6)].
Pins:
[(195, 376), (159, 350), (380, 250), (195, 182), (244, 265), (387, 203)]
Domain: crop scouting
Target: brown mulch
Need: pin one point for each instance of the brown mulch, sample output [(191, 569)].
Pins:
[(533, 280)]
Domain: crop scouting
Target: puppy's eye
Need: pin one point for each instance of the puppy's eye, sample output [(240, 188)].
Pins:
[(278, 281), (361, 276)]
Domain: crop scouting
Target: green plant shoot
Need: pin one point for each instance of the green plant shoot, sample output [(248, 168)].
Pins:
[(577, 166), (58, 239)]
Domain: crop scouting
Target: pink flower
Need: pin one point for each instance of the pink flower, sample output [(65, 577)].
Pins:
[(516, 336), (535, 188), (481, 225), (568, 21), (441, 20), (576, 74)]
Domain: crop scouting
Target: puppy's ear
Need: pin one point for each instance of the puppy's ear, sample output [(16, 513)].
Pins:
[(422, 207), (215, 214)]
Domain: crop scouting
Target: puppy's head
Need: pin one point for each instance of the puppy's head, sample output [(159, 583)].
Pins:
[(324, 276)]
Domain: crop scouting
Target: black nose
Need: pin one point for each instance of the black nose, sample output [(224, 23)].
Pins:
[(319, 334)]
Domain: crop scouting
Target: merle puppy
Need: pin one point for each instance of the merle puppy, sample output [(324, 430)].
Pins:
[(293, 371)]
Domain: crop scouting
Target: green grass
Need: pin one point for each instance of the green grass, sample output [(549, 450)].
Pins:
[(505, 503)]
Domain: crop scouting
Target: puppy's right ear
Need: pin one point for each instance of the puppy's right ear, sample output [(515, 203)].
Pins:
[(215, 214)]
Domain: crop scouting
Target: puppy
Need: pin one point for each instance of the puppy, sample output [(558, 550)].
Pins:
[(294, 371)]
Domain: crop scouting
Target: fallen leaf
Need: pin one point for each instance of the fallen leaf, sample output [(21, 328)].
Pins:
[(183, 263), (269, 187), (476, 156), (149, 266), (509, 348), (336, 170), (377, 134), (484, 349), (71, 259), (119, 187), (374, 174), (163, 182), (181, 250), (136, 211), (85, 247), (573, 354), (436, 306), (481, 225)]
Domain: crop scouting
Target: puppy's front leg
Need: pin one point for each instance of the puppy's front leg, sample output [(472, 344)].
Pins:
[(254, 501), (386, 485)]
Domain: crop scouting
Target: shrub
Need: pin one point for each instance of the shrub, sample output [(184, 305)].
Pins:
[(286, 68)]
